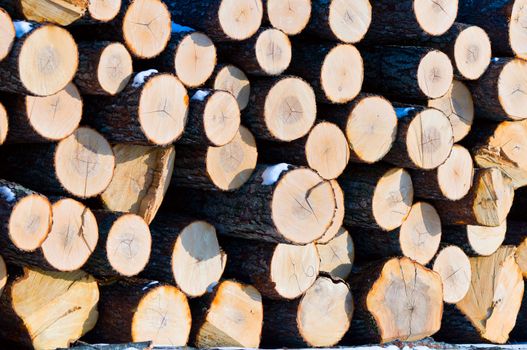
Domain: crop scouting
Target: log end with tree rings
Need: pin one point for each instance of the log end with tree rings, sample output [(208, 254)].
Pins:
[(494, 197), (104, 10), (342, 73), (273, 51), (221, 118), (3, 274), (146, 28), (115, 68), (521, 257), (291, 17), (429, 139), (453, 265), (290, 109), (512, 87), (84, 163), (234, 80), (52, 11), (7, 33), (128, 245), (435, 74), (230, 166), (163, 109), (372, 128), (392, 199), (195, 59), (472, 52), (73, 236), (337, 255), (455, 176), (486, 240), (48, 60), (4, 124), (338, 218), (349, 20), (327, 150), (435, 17), (517, 34), (240, 19), (458, 106), (163, 317)]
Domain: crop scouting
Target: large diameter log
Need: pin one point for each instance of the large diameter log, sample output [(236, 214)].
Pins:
[(319, 319), (46, 310), (7, 37), (140, 180), (337, 255), (476, 240), (453, 265), (232, 79), (291, 18)]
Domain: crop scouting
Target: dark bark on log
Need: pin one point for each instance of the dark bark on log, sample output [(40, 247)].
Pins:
[(426, 184), (20, 130), (293, 152), (455, 327), (319, 22), (89, 59), (516, 232), (458, 236), (13, 8), (281, 325), (190, 169), (372, 244)]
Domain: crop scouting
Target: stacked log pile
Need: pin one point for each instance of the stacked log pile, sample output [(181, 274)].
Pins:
[(246, 173)]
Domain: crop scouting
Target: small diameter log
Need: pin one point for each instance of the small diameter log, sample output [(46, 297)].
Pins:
[(35, 119), (487, 204), (488, 311), (281, 109), (46, 310), (291, 18), (377, 197), (278, 271), (407, 72), (103, 10), (338, 218), (104, 68), (7, 33), (476, 240), (336, 71), (337, 255), (453, 265), (140, 180), (139, 310), (319, 319), (452, 180), (222, 20), (232, 79), (396, 299), (224, 168), (55, 50), (4, 124)]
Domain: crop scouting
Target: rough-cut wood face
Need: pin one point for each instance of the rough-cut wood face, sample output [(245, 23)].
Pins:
[(115, 68), (104, 10), (517, 33), (128, 245), (435, 74), (3, 274), (337, 256), (234, 80), (456, 174), (273, 51), (486, 240), (472, 52), (62, 12), (73, 236), (230, 166), (163, 317), (4, 124), (406, 301), (56, 307), (195, 59), (338, 218), (521, 257), (221, 118), (372, 128), (240, 19), (435, 17), (7, 33), (325, 312), (48, 60), (342, 73), (291, 17), (494, 197), (511, 86), (458, 106), (349, 19), (163, 109), (197, 259), (146, 28), (30, 222), (234, 318), (392, 199), (453, 265), (495, 295)]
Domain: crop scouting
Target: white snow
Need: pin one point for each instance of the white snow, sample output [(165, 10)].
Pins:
[(200, 95), (7, 194), (140, 77), (210, 288), (272, 173), (495, 59), (403, 112), (150, 285), (22, 27), (178, 28)]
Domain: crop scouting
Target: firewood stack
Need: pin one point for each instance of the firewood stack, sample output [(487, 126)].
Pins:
[(245, 173)]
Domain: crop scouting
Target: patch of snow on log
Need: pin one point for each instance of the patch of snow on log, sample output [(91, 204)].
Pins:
[(140, 77), (403, 112), (272, 173), (200, 95), (210, 288), (22, 28), (150, 285), (7, 194), (178, 28)]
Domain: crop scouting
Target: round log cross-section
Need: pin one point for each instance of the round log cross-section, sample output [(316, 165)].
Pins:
[(104, 10), (290, 17), (453, 265), (7, 34), (232, 79)]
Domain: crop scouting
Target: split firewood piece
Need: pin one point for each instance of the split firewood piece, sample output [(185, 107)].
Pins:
[(268, 52), (487, 204), (475, 240), (452, 180), (453, 265), (151, 110), (213, 322), (377, 196), (222, 20), (340, 20), (55, 51), (517, 235), (402, 298), (281, 109), (424, 138), (136, 310), (407, 72), (7, 33), (290, 17), (319, 319), (104, 68), (458, 106), (36, 119), (278, 271), (336, 71), (62, 12), (338, 218), (4, 124), (488, 311), (140, 180), (46, 310), (232, 79), (337, 255), (224, 168)]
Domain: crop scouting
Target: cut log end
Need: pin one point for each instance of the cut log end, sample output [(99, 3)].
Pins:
[(104, 10), (435, 74), (273, 51), (342, 73), (455, 176), (472, 52), (453, 265), (4, 124), (234, 80), (115, 68), (517, 35), (290, 17), (349, 20), (3, 275), (195, 59), (521, 257), (221, 118), (240, 19), (337, 255), (338, 219), (486, 240), (511, 86), (435, 17), (494, 197), (7, 33), (60, 12)]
